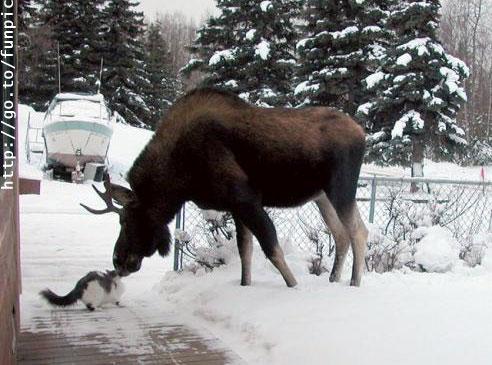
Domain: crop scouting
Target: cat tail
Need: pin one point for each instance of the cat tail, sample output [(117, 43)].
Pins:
[(64, 301)]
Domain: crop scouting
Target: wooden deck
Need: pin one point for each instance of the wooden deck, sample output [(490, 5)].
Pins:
[(76, 336)]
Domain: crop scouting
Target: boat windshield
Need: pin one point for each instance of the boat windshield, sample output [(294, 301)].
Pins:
[(81, 108)]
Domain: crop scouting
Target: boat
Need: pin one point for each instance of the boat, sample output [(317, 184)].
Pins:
[(77, 130)]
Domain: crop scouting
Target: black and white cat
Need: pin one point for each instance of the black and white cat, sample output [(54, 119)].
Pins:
[(94, 289)]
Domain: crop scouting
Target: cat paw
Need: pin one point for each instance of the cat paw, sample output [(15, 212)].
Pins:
[(90, 307)]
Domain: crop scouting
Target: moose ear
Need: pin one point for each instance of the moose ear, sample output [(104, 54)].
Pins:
[(121, 194)]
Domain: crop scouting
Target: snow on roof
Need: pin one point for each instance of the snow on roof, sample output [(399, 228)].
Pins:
[(80, 96)]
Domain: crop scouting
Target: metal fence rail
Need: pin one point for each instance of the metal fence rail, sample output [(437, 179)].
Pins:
[(464, 207)]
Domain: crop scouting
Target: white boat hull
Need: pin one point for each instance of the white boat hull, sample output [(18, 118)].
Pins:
[(72, 142)]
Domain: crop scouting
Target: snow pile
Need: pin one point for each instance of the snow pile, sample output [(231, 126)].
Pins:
[(411, 317), (437, 251)]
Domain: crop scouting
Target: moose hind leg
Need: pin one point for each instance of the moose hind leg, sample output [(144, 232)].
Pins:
[(339, 232), (257, 220), (245, 247), (358, 235)]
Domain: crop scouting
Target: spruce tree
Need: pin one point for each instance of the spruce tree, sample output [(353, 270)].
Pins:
[(37, 61), (164, 86), (249, 49), (417, 92), (91, 27), (60, 16), (124, 79), (344, 41)]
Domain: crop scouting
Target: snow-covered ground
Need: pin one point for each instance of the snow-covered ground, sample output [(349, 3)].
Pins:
[(402, 317)]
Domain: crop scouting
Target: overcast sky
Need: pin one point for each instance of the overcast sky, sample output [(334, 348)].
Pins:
[(193, 8)]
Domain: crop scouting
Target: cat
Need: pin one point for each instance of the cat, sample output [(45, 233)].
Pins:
[(94, 289)]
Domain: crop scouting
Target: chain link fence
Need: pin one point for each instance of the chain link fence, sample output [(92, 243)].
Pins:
[(392, 206)]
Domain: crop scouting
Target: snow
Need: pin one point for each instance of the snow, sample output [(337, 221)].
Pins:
[(408, 316), (371, 29), (404, 59), (126, 144), (220, 56), (452, 78), (402, 123), (250, 35), (71, 96), (417, 44), (263, 49), (437, 251), (374, 79), (345, 32), (365, 108), (305, 86), (266, 5), (403, 316), (302, 43)]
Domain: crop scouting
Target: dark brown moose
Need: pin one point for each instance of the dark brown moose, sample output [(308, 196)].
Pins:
[(222, 153)]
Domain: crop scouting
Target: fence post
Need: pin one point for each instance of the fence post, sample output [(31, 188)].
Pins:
[(177, 244), (372, 206)]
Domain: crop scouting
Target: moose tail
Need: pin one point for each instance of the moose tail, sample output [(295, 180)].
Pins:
[(57, 300)]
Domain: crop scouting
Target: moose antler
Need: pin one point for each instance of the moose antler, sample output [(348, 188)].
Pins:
[(106, 196)]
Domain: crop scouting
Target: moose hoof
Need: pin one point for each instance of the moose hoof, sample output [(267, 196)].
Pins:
[(355, 282)]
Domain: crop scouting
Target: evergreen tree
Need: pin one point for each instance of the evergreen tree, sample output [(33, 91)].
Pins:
[(124, 78), (344, 41), (37, 59), (60, 17), (417, 92), (164, 86), (249, 49), (91, 27)]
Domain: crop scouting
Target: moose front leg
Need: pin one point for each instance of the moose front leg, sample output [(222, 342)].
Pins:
[(245, 247), (258, 221)]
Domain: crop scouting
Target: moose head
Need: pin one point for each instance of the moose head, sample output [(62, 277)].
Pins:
[(140, 235)]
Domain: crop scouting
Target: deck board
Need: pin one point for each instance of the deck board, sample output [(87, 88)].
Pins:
[(78, 337)]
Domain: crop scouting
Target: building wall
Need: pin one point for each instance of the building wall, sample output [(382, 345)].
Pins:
[(9, 278)]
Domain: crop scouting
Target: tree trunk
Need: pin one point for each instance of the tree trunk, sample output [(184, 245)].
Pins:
[(417, 162)]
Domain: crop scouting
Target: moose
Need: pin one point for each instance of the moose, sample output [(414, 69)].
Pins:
[(222, 153)]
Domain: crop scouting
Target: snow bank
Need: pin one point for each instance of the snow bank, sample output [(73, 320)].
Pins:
[(437, 251), (409, 317), (126, 144)]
